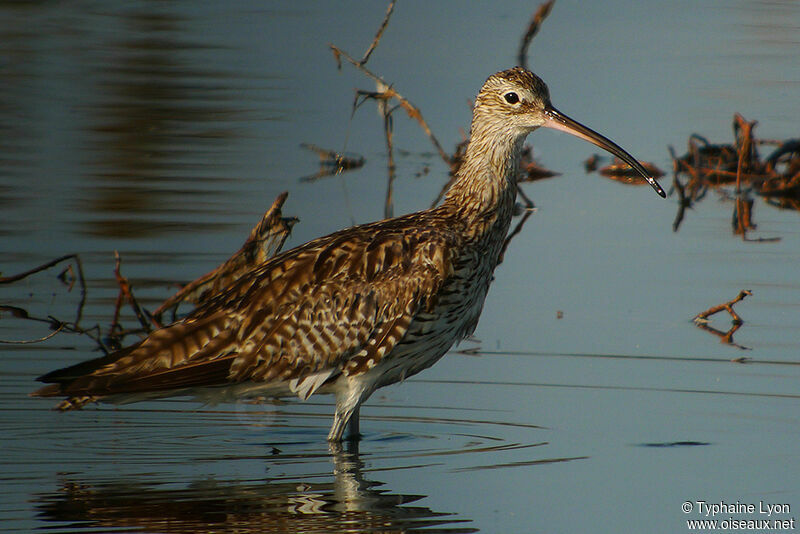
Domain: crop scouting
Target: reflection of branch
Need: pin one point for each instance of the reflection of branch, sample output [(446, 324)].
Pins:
[(529, 205), (382, 97), (683, 202), (331, 162), (742, 215), (54, 323), (517, 229), (727, 306), (725, 337), (742, 220), (388, 210), (533, 29), (47, 265)]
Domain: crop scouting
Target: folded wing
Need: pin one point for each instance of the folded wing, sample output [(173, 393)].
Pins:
[(335, 305)]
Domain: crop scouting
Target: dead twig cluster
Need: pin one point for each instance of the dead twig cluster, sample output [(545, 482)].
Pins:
[(737, 171), (265, 240), (383, 95), (702, 319)]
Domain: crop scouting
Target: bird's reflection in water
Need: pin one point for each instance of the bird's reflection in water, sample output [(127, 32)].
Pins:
[(347, 502)]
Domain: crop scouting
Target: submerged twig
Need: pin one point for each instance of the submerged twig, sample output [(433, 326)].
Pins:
[(55, 324)]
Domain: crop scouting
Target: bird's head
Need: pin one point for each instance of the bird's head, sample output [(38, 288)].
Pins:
[(515, 99), (516, 102)]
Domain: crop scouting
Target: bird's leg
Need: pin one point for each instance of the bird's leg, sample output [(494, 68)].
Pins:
[(340, 420), (348, 402), (348, 418), (353, 433)]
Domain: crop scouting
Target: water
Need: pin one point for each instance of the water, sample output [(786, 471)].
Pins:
[(588, 401)]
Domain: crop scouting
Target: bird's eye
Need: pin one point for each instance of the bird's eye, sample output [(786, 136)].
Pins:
[(511, 98)]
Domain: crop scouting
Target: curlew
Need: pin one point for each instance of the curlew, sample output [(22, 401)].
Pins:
[(356, 310)]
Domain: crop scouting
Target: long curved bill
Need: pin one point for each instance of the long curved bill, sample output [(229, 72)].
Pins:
[(558, 121)]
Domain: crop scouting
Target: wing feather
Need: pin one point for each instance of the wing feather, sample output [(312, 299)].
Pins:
[(337, 304), (356, 301), (184, 354)]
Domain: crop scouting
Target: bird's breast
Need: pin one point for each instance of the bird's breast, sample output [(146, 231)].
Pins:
[(453, 316)]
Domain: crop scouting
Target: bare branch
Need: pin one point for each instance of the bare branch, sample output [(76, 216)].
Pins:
[(533, 29), (379, 34)]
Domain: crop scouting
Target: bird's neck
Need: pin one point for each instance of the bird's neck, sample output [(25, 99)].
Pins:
[(485, 185)]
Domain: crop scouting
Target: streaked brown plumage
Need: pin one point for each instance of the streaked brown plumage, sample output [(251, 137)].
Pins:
[(358, 309)]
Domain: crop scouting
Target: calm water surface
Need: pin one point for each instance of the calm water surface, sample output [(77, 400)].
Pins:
[(587, 401)]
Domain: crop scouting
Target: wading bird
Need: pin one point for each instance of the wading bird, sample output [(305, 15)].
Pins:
[(354, 311)]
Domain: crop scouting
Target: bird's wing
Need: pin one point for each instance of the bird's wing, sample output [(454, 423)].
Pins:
[(340, 307), (335, 305)]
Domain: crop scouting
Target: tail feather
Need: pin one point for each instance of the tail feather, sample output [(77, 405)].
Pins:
[(180, 356), (79, 370)]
